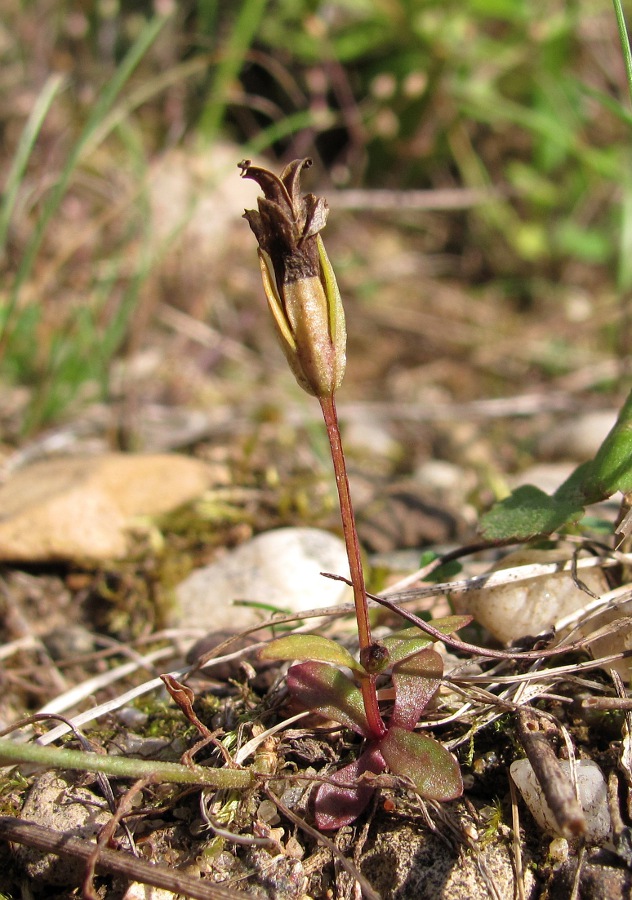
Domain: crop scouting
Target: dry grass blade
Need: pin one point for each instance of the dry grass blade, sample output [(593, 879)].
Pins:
[(513, 575), (446, 198), (516, 846), (367, 891), (80, 691), (19, 831), (102, 709)]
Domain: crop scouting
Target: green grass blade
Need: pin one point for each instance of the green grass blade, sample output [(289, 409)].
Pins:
[(232, 59), (625, 42), (625, 244), (25, 146), (138, 50), (304, 118)]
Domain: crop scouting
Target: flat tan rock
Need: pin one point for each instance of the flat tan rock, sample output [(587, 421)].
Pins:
[(83, 507)]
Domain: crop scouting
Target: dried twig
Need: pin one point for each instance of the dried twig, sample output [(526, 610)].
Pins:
[(107, 833), (184, 697), (625, 754), (606, 703), (396, 201), (556, 786)]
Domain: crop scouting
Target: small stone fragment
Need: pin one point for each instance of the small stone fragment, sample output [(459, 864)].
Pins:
[(534, 605), (579, 437), (593, 797), (138, 891), (58, 803)]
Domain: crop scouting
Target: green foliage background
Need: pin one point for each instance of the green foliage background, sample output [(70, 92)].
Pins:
[(521, 99)]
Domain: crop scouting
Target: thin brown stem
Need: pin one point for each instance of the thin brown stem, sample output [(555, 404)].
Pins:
[(330, 415), (367, 683)]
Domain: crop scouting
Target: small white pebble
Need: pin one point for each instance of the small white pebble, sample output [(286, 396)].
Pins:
[(558, 850), (593, 797), (132, 717), (137, 891), (531, 606), (268, 812)]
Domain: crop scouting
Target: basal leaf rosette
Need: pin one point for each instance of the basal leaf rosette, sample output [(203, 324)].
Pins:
[(320, 686)]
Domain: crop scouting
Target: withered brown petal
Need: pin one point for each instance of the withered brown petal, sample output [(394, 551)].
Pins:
[(270, 184), (317, 212), (291, 179), (278, 231)]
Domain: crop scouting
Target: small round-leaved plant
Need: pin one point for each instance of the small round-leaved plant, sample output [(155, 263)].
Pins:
[(306, 307)]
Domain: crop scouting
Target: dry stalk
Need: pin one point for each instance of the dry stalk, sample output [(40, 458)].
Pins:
[(556, 786), (19, 831)]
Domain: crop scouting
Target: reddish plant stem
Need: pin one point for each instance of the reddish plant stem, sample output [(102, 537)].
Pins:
[(367, 682)]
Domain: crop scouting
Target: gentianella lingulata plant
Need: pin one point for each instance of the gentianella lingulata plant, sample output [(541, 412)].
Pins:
[(306, 307)]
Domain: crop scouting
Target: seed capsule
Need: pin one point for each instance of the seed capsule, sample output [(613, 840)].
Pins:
[(298, 279)]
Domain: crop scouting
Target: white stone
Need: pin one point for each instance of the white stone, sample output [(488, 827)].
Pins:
[(280, 568), (593, 797), (579, 437), (138, 891), (444, 477), (618, 618), (370, 435), (531, 606)]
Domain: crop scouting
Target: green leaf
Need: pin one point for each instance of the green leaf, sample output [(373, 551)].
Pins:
[(444, 572), (611, 469), (431, 767), (328, 692), (528, 511), (449, 624), (309, 646), (591, 245)]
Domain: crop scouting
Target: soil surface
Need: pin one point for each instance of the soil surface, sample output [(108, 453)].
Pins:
[(453, 392)]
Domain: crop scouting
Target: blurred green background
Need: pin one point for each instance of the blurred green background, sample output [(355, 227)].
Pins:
[(515, 110)]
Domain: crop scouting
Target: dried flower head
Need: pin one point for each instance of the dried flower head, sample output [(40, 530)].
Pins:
[(298, 279)]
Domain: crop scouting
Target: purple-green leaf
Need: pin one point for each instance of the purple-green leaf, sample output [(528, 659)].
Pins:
[(431, 767), (327, 691), (404, 643), (416, 680), (309, 646), (337, 805), (449, 624)]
